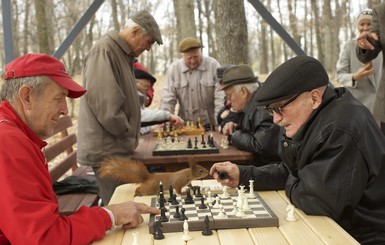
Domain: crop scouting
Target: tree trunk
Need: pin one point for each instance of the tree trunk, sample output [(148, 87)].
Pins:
[(231, 30), (185, 20)]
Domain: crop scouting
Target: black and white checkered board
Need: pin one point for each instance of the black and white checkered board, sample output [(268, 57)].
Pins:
[(259, 215)]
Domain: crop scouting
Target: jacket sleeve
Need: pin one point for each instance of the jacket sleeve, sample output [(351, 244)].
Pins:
[(268, 177), (333, 180), (169, 98), (28, 205), (262, 138), (104, 95), (344, 74)]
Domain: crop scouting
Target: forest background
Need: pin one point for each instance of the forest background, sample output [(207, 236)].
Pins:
[(231, 31)]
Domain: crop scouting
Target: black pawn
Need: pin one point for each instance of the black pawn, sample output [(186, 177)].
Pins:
[(171, 192), (202, 205), (177, 215), (198, 194), (206, 229), (189, 199), (174, 201), (189, 144), (183, 216), (163, 217)]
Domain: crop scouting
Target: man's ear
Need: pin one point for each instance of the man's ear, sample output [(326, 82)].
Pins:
[(25, 96), (316, 97)]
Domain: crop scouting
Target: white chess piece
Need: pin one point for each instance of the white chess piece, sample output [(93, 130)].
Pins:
[(251, 188), (240, 212), (216, 205), (245, 203), (135, 238), (234, 211), (209, 198), (225, 144), (221, 214), (225, 194), (290, 213), (186, 236)]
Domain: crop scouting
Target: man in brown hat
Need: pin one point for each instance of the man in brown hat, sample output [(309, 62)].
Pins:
[(256, 132), (192, 82), (332, 151), (109, 115), (33, 97)]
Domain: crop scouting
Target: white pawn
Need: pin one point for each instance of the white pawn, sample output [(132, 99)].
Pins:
[(216, 205), (234, 211), (245, 204), (209, 198), (290, 213), (225, 194), (186, 236), (221, 214), (135, 238)]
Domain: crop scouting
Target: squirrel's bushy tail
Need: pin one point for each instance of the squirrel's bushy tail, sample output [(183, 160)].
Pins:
[(125, 170)]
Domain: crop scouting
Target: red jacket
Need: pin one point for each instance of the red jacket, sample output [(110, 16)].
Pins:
[(28, 205)]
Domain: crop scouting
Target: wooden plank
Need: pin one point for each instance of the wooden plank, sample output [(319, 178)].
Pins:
[(63, 166), (326, 228), (295, 232), (234, 236), (56, 149), (63, 123), (268, 236)]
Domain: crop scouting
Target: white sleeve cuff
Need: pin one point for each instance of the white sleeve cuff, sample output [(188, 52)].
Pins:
[(111, 216)]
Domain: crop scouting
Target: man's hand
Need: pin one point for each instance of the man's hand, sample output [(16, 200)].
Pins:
[(129, 215), (228, 169), (229, 127), (363, 71), (176, 120)]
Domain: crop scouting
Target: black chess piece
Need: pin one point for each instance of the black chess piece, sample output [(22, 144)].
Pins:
[(163, 217), (189, 143), (183, 215), (171, 193), (189, 199), (161, 197), (203, 139), (202, 205), (174, 201), (196, 145), (158, 233), (206, 229), (177, 214), (161, 203), (198, 194)]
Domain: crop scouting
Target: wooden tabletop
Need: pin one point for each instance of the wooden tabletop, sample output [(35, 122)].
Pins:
[(306, 230), (148, 142)]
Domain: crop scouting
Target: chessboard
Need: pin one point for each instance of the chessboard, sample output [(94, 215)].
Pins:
[(180, 146), (258, 214)]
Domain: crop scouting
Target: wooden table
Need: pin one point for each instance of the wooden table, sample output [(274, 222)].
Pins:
[(176, 162), (306, 230)]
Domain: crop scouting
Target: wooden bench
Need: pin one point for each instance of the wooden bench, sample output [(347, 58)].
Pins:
[(62, 152)]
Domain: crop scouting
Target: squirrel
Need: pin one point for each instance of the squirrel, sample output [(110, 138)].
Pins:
[(134, 171)]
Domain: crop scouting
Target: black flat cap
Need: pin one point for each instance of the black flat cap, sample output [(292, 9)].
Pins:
[(295, 76), (140, 74), (238, 74), (147, 21)]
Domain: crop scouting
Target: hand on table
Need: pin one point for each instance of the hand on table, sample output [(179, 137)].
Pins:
[(129, 214), (229, 127), (176, 120), (227, 169)]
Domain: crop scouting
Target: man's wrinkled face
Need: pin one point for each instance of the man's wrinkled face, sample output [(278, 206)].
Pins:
[(192, 58), (238, 99), (44, 111), (142, 42), (292, 113)]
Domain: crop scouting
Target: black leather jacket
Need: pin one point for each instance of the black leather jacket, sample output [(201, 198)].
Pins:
[(257, 134), (333, 166)]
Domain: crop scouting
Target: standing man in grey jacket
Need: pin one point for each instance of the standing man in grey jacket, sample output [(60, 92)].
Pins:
[(192, 82), (109, 116)]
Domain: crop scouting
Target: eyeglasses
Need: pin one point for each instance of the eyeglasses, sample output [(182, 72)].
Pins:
[(279, 109)]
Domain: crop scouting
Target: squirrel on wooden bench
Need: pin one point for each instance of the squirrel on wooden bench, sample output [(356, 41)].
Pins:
[(134, 171)]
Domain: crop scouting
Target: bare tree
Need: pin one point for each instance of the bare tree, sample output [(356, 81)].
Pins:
[(185, 20), (231, 30)]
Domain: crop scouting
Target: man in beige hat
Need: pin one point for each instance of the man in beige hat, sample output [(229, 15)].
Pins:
[(192, 82), (362, 80), (256, 132), (109, 116)]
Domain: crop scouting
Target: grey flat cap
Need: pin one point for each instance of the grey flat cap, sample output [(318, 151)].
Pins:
[(147, 21), (295, 76), (238, 74)]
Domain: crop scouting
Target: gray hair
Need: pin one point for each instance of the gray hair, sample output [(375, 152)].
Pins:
[(131, 24), (10, 89), (251, 87)]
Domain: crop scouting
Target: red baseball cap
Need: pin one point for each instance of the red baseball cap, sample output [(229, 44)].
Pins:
[(39, 65)]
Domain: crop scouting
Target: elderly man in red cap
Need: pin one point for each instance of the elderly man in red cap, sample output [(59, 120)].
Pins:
[(33, 98), (109, 114), (192, 82), (332, 151)]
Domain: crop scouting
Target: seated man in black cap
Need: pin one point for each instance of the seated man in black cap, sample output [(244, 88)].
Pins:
[(332, 153), (149, 117), (256, 132)]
